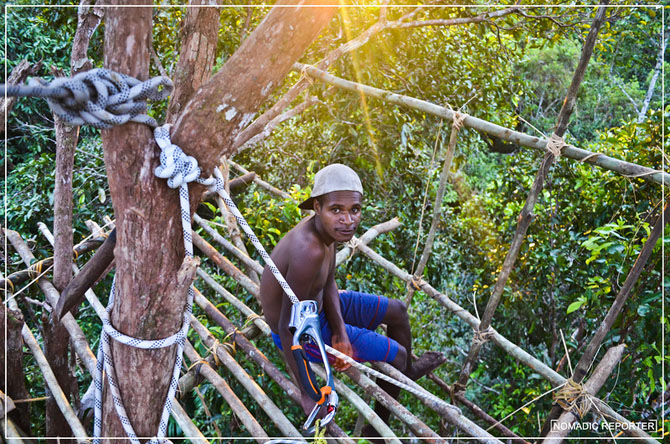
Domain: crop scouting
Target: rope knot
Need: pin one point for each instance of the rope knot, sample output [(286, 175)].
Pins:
[(555, 145), (353, 244), (415, 283), (175, 165), (459, 118), (98, 97), (572, 397), (482, 336)]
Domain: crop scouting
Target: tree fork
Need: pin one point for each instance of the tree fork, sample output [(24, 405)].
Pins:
[(145, 307), (526, 216)]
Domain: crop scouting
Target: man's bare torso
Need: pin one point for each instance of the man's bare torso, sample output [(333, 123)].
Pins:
[(300, 247)]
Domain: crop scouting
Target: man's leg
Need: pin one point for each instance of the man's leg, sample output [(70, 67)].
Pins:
[(396, 319), (398, 328)]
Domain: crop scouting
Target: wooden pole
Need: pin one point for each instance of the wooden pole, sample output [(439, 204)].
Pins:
[(242, 255), (235, 404), (79, 343), (437, 207), (275, 414), (261, 183), (349, 248), (263, 362), (510, 348), (526, 216), (515, 137), (444, 412), (224, 264)]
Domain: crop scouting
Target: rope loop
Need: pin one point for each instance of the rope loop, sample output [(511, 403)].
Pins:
[(98, 97), (572, 397), (415, 283), (353, 244), (482, 336), (459, 118), (555, 145)]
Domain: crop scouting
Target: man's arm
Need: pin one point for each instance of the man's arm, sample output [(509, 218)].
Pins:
[(333, 309)]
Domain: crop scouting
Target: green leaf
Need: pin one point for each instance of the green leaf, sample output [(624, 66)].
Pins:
[(575, 306)]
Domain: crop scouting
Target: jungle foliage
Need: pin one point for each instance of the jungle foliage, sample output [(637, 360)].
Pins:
[(589, 226)]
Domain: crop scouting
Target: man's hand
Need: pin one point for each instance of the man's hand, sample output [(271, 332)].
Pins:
[(342, 345)]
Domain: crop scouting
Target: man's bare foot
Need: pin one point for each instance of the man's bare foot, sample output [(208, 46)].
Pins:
[(428, 362)]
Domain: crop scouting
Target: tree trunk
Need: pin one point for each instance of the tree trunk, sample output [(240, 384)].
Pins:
[(199, 36), (56, 337), (12, 360), (149, 246)]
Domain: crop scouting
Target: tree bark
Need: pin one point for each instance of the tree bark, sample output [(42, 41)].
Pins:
[(12, 358), (149, 245), (18, 75), (199, 35), (55, 334)]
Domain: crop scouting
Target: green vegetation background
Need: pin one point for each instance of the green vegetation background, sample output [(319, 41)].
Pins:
[(589, 226)]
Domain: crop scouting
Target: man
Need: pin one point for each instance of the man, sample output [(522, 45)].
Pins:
[(306, 258)]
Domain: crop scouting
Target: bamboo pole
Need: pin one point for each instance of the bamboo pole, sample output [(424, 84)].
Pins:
[(449, 412), (526, 216), (454, 414), (510, 348), (349, 248), (561, 428), (79, 343), (418, 427), (609, 163), (231, 223), (13, 435), (17, 278), (247, 382), (57, 393), (261, 183), (370, 387), (186, 424), (225, 265), (242, 255), (235, 404), (233, 300), (599, 336)]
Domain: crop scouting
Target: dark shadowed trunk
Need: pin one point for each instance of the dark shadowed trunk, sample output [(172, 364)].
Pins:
[(56, 336), (12, 351), (149, 247)]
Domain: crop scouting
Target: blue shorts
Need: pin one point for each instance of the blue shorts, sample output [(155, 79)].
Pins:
[(362, 314)]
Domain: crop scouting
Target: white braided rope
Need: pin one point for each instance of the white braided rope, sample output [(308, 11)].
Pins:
[(216, 184), (179, 174), (98, 97)]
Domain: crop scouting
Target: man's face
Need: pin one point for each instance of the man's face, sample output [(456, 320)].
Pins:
[(340, 214)]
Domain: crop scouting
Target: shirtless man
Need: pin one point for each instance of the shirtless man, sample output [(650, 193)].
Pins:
[(306, 258)]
